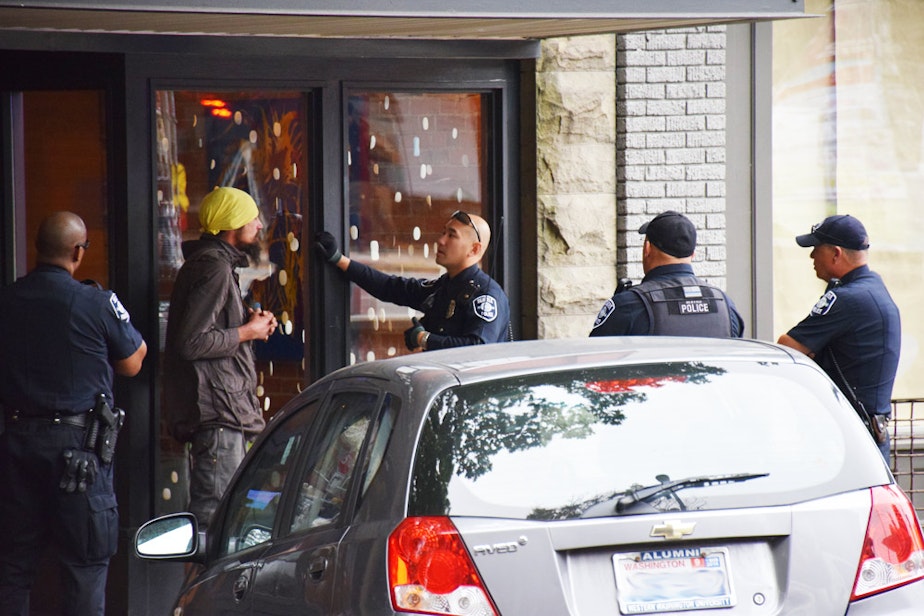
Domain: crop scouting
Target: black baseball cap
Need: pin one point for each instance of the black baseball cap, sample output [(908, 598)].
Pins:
[(671, 232), (841, 230)]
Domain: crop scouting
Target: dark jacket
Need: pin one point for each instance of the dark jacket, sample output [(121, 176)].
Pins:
[(209, 375)]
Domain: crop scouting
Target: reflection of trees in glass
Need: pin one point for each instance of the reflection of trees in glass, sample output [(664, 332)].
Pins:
[(577, 508), (569, 511), (467, 426)]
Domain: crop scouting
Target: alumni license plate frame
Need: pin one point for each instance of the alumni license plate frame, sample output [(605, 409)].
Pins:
[(673, 580)]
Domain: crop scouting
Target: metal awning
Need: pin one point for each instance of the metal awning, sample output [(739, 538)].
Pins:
[(403, 19)]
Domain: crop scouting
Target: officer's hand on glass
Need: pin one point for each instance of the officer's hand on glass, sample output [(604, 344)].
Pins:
[(412, 335), (327, 247), (80, 469)]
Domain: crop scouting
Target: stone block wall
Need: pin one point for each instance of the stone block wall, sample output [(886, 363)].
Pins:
[(576, 181), (627, 126)]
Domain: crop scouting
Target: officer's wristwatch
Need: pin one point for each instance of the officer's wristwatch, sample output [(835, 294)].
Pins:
[(423, 340)]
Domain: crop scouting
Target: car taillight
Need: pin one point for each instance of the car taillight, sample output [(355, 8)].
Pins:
[(431, 572), (893, 551)]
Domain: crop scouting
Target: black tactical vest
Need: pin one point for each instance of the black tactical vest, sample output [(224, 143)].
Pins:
[(684, 306)]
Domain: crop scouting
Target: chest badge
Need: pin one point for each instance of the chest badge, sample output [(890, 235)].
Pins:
[(452, 309)]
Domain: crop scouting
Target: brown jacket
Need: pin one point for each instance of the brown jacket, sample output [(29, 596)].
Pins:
[(209, 375)]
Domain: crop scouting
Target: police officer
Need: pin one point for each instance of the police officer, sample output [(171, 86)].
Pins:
[(62, 341), (670, 301), (854, 329), (462, 307)]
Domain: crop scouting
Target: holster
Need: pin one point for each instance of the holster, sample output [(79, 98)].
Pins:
[(103, 425), (879, 427)]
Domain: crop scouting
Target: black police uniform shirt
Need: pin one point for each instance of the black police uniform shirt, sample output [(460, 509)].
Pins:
[(625, 314), (858, 320), (469, 308), (59, 339)]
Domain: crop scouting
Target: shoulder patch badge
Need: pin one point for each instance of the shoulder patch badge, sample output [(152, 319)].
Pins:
[(824, 304), (485, 307), (604, 313), (117, 308)]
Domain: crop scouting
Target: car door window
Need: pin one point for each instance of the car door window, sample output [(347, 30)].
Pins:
[(331, 462), (255, 497), (378, 441)]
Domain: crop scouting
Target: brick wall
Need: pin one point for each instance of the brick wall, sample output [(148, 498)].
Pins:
[(670, 142), (604, 171)]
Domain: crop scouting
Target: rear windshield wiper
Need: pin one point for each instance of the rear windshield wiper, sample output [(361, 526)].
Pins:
[(641, 495)]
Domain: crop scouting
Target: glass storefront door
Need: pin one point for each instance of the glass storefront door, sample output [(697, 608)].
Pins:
[(256, 141), (413, 159)]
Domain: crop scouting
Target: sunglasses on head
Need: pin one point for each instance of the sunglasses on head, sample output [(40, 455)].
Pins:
[(465, 219)]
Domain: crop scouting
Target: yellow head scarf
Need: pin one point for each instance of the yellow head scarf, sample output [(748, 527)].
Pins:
[(226, 209)]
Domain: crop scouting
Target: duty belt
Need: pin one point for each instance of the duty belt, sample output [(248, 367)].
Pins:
[(15, 416)]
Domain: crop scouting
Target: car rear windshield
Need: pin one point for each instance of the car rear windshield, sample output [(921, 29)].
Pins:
[(637, 439)]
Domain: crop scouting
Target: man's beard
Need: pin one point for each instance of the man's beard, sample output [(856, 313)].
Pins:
[(252, 251)]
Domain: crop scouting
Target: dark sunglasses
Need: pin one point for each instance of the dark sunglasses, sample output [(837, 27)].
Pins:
[(83, 245), (465, 219)]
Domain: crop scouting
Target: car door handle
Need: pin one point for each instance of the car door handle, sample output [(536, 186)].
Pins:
[(240, 586), (317, 567)]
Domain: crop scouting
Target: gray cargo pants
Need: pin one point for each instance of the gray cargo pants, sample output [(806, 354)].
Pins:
[(214, 456)]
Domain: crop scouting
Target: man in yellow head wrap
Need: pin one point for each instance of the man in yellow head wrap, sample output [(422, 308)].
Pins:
[(227, 209), (210, 379)]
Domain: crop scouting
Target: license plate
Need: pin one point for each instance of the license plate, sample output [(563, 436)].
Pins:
[(673, 580)]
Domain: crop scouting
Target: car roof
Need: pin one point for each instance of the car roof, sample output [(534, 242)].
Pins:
[(476, 363)]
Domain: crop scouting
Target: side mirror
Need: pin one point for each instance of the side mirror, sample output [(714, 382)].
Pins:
[(171, 537)]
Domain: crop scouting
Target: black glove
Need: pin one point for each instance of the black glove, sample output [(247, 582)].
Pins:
[(80, 468), (412, 333), (327, 246)]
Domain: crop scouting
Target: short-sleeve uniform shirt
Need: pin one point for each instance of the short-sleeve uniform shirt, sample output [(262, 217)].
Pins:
[(858, 320), (59, 339)]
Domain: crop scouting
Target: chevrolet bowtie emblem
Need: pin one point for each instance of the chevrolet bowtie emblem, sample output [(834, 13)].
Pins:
[(672, 529)]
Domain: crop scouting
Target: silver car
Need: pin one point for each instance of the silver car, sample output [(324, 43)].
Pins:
[(598, 477)]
